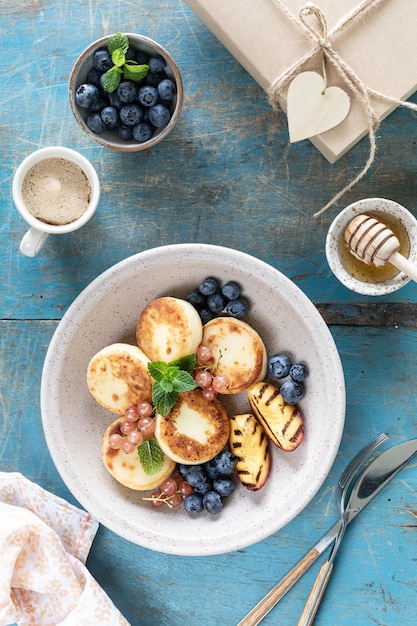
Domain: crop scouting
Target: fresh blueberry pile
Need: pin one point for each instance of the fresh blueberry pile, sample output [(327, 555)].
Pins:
[(135, 110), (211, 299), (211, 481), (280, 366)]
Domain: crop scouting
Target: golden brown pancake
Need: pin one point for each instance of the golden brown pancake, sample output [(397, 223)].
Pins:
[(118, 377), (168, 328)]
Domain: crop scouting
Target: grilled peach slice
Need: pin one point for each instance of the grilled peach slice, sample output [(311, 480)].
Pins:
[(249, 444), (283, 423)]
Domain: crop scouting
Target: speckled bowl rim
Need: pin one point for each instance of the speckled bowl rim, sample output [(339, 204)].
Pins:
[(340, 223), (105, 138), (105, 312)]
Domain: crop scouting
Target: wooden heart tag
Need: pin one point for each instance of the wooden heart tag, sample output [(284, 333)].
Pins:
[(312, 111)]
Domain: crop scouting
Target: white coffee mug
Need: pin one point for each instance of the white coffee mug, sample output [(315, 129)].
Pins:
[(39, 230)]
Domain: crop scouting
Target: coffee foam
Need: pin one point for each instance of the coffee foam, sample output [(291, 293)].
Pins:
[(56, 191)]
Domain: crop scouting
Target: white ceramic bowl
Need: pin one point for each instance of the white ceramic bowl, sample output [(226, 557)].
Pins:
[(338, 255), (110, 138), (106, 312)]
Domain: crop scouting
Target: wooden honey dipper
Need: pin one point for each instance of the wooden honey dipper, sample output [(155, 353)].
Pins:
[(375, 244)]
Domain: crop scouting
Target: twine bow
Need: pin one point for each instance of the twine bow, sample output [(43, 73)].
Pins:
[(323, 41)]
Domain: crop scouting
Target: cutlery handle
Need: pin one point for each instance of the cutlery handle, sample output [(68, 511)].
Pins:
[(270, 600), (316, 594)]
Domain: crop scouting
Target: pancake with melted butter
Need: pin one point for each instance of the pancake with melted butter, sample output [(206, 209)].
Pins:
[(194, 431), (238, 352), (168, 328), (127, 468), (118, 377)]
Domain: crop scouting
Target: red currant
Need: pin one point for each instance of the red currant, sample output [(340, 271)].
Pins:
[(204, 353), (203, 378), (221, 383)]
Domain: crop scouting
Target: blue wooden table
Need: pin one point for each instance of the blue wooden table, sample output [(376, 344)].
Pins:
[(226, 175)]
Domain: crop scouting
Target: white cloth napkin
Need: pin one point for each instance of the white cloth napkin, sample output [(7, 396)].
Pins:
[(44, 543)]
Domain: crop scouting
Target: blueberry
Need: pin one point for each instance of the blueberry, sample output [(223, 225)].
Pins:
[(167, 89), (212, 502), (299, 372), (193, 503), (130, 114), (125, 132), (183, 470), (196, 476), (114, 100), (95, 123), (211, 469), (204, 486), (196, 298), (205, 315), (130, 54), (224, 462), (127, 91), (102, 60), (279, 365), (86, 95), (110, 117), (216, 302), (291, 391), (142, 58), (99, 105), (156, 64), (159, 116), (231, 290), (237, 308), (208, 286), (153, 79), (148, 96), (142, 132), (93, 77), (224, 486)]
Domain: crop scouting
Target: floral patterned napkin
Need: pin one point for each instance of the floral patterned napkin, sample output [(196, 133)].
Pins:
[(44, 543)]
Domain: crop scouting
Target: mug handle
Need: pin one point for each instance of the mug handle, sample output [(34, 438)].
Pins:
[(32, 242)]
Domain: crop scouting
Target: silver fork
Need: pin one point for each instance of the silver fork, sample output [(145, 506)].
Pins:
[(263, 607), (323, 576)]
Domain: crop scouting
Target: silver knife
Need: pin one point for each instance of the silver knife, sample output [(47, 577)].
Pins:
[(378, 474)]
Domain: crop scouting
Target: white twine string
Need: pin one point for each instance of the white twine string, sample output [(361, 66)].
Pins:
[(322, 41)]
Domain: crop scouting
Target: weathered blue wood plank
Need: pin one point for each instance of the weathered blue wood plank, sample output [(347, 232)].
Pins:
[(227, 162)]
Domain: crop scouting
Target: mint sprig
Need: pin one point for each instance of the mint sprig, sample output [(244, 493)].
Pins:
[(171, 379), (151, 456), (118, 46)]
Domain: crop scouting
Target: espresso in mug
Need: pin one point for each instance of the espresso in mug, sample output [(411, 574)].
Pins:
[(56, 191)]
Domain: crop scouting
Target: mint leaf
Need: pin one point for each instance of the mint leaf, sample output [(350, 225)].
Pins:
[(118, 40), (166, 385), (186, 363), (184, 382), (162, 400), (171, 379), (151, 456), (118, 57), (112, 79), (157, 369), (118, 46), (135, 72)]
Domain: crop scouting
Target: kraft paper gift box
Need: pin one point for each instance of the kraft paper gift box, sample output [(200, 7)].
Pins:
[(380, 48)]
